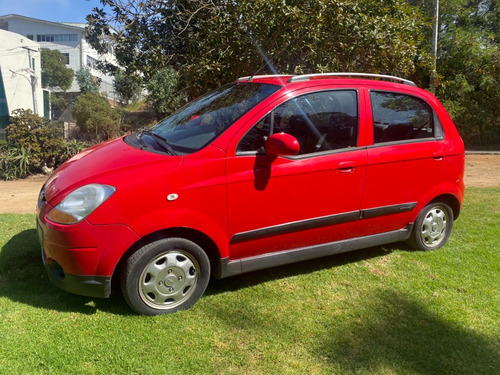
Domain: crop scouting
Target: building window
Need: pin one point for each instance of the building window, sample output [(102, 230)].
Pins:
[(30, 36), (91, 62), (66, 55), (56, 37), (45, 38)]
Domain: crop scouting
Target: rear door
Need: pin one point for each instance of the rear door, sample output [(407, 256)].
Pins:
[(304, 200), (404, 163)]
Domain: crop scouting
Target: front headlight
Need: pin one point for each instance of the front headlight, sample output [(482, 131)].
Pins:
[(80, 203)]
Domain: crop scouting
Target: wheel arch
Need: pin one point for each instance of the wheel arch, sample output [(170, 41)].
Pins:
[(451, 201), (201, 239)]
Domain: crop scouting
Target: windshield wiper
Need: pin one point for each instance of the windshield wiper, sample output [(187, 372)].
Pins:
[(162, 142), (141, 142)]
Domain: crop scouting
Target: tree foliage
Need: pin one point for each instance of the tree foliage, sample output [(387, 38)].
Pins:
[(469, 67), (210, 42), (54, 71), (163, 91), (127, 87), (85, 81), (94, 115)]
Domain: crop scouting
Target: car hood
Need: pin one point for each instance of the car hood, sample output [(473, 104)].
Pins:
[(105, 163)]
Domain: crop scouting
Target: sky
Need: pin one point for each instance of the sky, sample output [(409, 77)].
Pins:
[(50, 10)]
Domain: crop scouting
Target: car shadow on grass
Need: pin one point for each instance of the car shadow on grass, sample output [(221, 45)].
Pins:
[(398, 333), (379, 330), (23, 279)]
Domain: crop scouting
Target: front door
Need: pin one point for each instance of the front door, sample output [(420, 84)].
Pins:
[(303, 200)]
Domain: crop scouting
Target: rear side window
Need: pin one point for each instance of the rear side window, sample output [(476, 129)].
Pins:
[(400, 117), (321, 121)]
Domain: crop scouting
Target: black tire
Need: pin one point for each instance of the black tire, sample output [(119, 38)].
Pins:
[(165, 276), (432, 227)]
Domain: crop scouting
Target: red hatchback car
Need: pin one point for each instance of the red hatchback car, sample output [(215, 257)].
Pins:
[(262, 172)]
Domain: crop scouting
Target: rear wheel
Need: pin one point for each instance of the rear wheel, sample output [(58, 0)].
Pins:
[(432, 227), (165, 276)]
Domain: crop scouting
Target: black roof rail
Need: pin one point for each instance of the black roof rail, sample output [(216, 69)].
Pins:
[(306, 77)]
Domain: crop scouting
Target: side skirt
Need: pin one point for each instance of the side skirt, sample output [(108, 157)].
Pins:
[(239, 266)]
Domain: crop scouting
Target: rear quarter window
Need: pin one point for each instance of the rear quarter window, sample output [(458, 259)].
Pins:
[(400, 117)]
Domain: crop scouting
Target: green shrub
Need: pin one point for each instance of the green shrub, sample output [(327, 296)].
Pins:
[(15, 163), (32, 132), (72, 147), (33, 145), (94, 115)]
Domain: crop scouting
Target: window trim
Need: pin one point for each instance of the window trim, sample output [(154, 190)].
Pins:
[(311, 154)]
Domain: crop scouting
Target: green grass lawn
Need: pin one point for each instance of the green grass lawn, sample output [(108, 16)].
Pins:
[(384, 310)]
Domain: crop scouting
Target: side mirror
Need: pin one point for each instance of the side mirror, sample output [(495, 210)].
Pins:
[(282, 144)]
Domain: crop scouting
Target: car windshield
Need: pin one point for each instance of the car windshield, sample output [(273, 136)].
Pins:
[(201, 121)]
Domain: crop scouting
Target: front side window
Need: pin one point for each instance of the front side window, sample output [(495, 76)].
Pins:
[(399, 117), (321, 121)]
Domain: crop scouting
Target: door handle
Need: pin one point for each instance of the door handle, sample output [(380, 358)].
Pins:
[(438, 156), (347, 166)]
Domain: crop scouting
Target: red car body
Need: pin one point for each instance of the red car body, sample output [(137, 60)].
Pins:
[(248, 209)]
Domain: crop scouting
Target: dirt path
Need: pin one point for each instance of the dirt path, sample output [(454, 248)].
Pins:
[(482, 170), (20, 196)]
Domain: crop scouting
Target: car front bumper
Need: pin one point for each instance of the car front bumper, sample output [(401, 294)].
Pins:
[(91, 286), (81, 258)]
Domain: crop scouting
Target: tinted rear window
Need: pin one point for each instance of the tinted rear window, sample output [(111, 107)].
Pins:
[(399, 117)]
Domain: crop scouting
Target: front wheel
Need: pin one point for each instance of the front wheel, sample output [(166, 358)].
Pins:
[(165, 276), (432, 227)]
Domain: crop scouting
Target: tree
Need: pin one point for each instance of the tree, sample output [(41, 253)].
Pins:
[(86, 82), (54, 71), (163, 91), (128, 87), (468, 66), (94, 116), (210, 42)]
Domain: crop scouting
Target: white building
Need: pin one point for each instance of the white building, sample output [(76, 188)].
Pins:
[(20, 77), (69, 39)]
